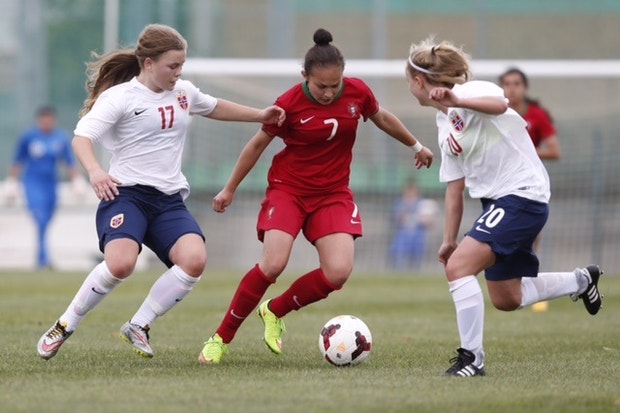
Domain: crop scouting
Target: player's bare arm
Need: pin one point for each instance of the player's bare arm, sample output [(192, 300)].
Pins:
[(104, 185), (491, 105), (246, 161), (390, 124), (549, 148), (230, 111), (454, 213)]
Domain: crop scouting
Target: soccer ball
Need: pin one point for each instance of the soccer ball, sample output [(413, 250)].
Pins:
[(345, 340)]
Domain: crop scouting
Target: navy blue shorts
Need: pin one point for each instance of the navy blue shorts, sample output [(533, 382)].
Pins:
[(510, 225), (147, 216)]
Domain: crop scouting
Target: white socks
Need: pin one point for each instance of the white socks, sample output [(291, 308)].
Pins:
[(469, 304), (93, 290), (549, 285), (167, 291)]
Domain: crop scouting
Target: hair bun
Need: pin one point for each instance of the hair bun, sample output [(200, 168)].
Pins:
[(322, 37)]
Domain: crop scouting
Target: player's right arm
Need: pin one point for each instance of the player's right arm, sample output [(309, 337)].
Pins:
[(454, 212), (246, 161), (104, 185)]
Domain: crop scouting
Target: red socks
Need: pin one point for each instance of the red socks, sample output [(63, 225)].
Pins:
[(249, 293), (307, 289)]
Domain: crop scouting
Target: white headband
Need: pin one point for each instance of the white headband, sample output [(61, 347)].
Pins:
[(421, 69)]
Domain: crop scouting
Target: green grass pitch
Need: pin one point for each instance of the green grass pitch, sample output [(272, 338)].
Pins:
[(562, 360)]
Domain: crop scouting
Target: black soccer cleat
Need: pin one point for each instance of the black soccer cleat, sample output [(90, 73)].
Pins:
[(592, 298), (463, 365)]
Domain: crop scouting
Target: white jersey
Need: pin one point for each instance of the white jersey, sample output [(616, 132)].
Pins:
[(145, 131), (494, 153)]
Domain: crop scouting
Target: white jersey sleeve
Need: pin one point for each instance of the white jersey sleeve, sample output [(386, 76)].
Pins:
[(493, 153), (201, 104), (107, 110)]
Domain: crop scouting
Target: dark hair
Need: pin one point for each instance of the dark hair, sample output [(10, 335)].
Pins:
[(526, 83), (47, 110), (322, 53), (515, 71)]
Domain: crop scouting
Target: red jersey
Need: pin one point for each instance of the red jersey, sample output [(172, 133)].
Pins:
[(319, 138), (539, 125)]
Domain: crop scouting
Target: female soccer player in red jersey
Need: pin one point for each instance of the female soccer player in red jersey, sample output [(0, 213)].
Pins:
[(539, 124), (140, 110), (308, 191)]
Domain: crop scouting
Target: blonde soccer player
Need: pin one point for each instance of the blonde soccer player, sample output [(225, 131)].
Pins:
[(139, 109), (485, 148)]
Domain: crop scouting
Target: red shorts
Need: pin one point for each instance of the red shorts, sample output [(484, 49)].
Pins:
[(316, 215)]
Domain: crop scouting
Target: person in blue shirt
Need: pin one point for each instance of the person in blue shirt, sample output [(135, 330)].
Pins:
[(413, 216), (38, 152)]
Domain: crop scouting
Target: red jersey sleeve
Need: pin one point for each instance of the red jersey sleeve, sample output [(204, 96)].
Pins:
[(273, 129), (370, 105), (539, 125)]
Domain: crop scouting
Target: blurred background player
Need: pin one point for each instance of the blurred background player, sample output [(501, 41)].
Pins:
[(540, 127), (38, 153), (485, 147), (139, 109), (308, 191), (539, 123), (413, 216)]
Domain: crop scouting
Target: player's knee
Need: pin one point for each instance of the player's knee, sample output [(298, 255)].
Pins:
[(272, 267), (453, 272), (193, 264), (338, 274), (506, 303), (121, 268)]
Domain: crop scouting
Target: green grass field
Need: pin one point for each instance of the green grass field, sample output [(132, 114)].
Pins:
[(563, 360)]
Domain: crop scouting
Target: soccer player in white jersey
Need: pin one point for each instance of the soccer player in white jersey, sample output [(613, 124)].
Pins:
[(140, 109), (486, 148)]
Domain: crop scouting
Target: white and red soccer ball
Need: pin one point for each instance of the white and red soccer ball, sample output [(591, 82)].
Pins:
[(345, 340)]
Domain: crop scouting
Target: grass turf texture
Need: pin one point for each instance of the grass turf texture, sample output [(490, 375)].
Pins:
[(562, 360)]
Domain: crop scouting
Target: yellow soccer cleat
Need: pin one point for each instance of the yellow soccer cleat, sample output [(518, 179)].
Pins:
[(274, 328), (213, 351)]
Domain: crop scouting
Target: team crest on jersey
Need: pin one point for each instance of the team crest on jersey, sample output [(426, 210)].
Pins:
[(182, 99), (353, 110), (117, 220), (457, 122)]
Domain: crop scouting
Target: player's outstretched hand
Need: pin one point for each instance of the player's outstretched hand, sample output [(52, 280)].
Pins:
[(445, 96), (104, 185), (222, 200), (273, 115), (424, 158)]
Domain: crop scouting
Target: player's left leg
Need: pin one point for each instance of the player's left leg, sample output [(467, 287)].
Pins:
[(336, 263), (174, 235), (332, 227), (580, 283), (336, 258), (188, 256)]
